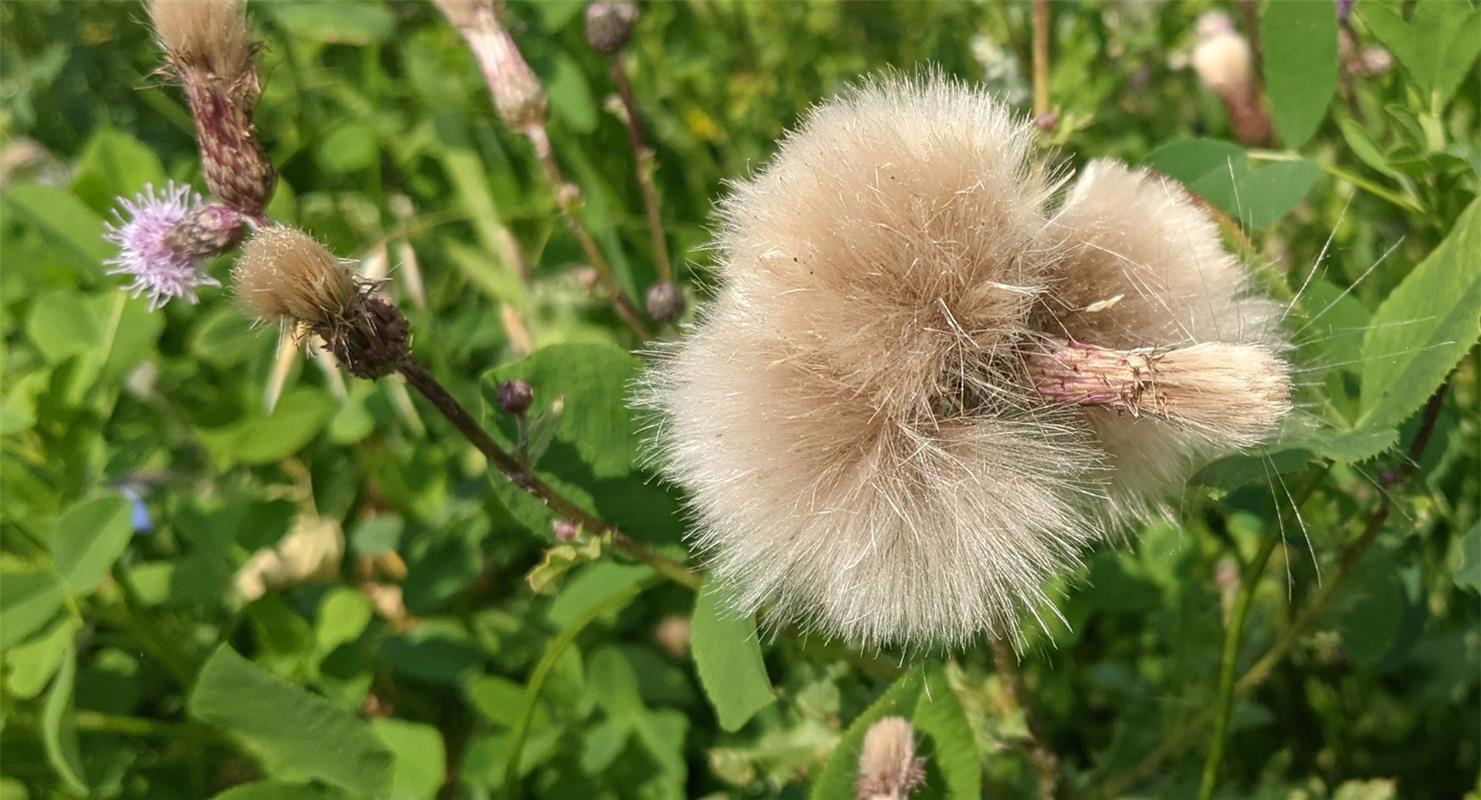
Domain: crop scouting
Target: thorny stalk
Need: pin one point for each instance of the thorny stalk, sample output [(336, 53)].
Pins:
[(1040, 756)]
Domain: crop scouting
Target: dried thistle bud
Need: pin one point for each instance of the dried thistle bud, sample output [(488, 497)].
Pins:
[(888, 766), (208, 47), (664, 302), (609, 25), (210, 231), (517, 94), (515, 397), (1231, 393), (283, 275)]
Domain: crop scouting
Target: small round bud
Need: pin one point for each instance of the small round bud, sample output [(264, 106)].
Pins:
[(515, 397), (665, 303), (1047, 121), (565, 530), (212, 230), (609, 25), (587, 278), (568, 196)]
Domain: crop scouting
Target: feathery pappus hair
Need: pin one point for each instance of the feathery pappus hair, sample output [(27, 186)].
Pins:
[(921, 392)]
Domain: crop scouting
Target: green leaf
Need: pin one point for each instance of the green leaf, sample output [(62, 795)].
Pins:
[(1468, 575), (359, 23), (113, 331), (88, 538), (29, 598), (296, 734), (418, 772), (943, 737), (74, 231), (1299, 47), (343, 615), (592, 455), (1424, 327), (58, 728), (559, 560), (263, 439), (837, 780), (282, 790), (591, 588), (1219, 172), (113, 165), (727, 655), (30, 666), (1436, 46)]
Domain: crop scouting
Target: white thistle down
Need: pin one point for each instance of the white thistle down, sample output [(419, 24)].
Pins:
[(855, 417)]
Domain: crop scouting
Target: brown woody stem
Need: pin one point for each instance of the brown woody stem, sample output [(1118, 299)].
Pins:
[(644, 165), (522, 477)]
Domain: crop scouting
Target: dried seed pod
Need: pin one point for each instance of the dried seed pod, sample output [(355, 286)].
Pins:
[(609, 25)]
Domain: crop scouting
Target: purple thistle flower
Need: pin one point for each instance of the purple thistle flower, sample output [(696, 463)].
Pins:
[(149, 252)]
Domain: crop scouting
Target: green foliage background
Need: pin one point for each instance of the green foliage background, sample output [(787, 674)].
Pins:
[(131, 670)]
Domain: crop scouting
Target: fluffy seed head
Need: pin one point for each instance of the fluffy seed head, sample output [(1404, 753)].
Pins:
[(284, 275), (208, 46), (855, 416), (208, 36), (151, 232), (888, 766)]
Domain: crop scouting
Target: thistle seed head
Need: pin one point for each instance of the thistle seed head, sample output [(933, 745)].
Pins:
[(208, 46), (888, 766), (210, 38), (856, 416), (284, 276)]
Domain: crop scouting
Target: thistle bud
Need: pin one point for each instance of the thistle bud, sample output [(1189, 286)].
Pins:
[(1047, 121), (209, 49), (515, 397), (609, 25), (210, 231), (888, 766), (285, 276), (517, 94), (664, 302)]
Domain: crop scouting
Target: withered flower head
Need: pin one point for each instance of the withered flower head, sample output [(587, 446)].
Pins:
[(209, 49), (285, 276)]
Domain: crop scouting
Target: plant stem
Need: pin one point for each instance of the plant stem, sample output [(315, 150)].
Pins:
[(1234, 634), (1043, 760), (1043, 19), (568, 200), (522, 477), (644, 165)]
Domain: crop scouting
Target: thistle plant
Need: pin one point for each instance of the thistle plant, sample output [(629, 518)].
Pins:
[(946, 427)]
